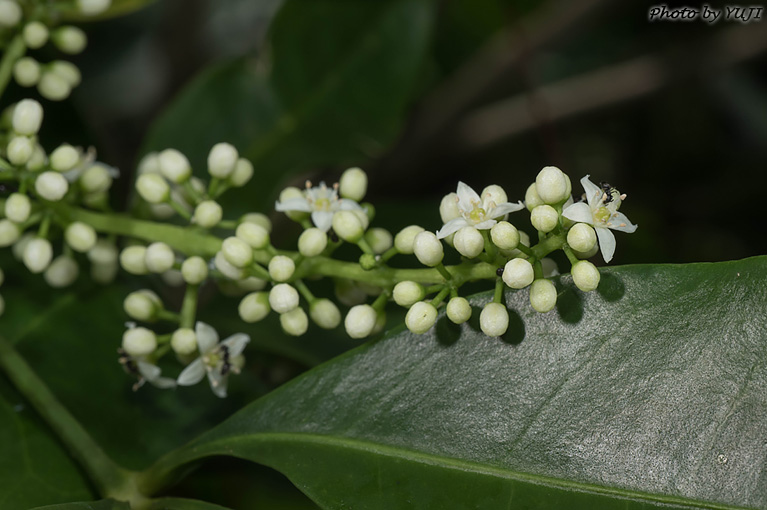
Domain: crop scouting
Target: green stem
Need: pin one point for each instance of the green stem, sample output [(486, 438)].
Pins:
[(110, 479), (14, 52), (499, 287), (570, 255), (305, 292), (180, 209), (439, 297), (189, 306), (443, 271)]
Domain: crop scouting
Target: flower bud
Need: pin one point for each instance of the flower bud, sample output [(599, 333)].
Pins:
[(19, 244), (19, 150), (251, 284), (139, 342), (254, 235), (405, 239), (294, 322), (10, 14), (208, 214), (458, 310), (448, 208), (237, 252), (407, 293), (35, 35), (543, 295), (133, 260), (379, 239), (505, 235), (348, 226), (194, 270), (227, 269), (312, 242), (95, 179), (9, 233), (287, 194), (518, 273), (37, 255), (26, 71), (360, 321), (349, 292), (243, 172), (325, 313), (353, 184), (421, 317), (549, 267), (544, 218), (283, 298), (93, 8), (38, 159), (142, 305), (27, 117), (494, 319), (51, 186), (104, 274), (18, 207), (532, 200), (159, 257), (254, 307), (174, 166), (67, 71), (149, 164), (469, 242), (259, 219), (153, 188), (585, 275), (281, 268), (581, 237), (69, 39), (64, 158), (222, 159), (62, 272), (172, 278), (551, 185), (104, 252), (495, 194), (184, 341), (53, 87), (427, 249)]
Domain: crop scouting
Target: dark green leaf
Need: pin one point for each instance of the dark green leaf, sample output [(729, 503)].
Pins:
[(106, 504), (343, 75), (649, 393), (182, 504), (118, 8)]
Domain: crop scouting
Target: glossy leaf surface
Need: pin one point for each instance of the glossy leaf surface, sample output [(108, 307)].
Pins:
[(649, 393)]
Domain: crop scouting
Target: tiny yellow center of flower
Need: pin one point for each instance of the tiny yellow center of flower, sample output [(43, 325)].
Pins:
[(477, 215), (601, 215), (322, 204), (211, 359)]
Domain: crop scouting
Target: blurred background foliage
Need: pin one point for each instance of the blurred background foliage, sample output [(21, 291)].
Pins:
[(420, 94)]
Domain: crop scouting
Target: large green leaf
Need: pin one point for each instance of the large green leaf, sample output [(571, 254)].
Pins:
[(340, 78), (105, 504), (649, 393)]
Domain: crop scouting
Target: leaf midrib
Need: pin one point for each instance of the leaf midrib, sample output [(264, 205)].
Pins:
[(224, 446)]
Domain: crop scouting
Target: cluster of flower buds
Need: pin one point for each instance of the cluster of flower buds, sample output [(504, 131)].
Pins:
[(24, 26), (43, 183)]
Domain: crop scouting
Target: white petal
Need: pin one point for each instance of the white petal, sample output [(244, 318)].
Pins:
[(505, 208), (236, 344), (619, 219), (452, 226), (323, 220), (568, 203), (207, 338), (293, 204), (192, 374), (484, 225), (467, 197), (217, 383), (164, 383), (606, 243), (348, 205), (579, 213), (148, 371), (593, 192)]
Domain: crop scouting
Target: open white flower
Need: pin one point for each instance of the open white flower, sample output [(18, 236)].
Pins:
[(475, 211), (321, 201), (601, 212), (215, 359), (144, 371)]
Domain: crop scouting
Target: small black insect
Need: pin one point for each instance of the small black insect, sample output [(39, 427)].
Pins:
[(499, 271), (226, 367), (333, 236), (608, 190), (127, 362)]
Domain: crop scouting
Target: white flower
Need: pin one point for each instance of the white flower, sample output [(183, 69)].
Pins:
[(478, 212), (145, 371), (321, 201), (601, 212), (215, 359)]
